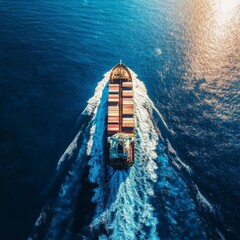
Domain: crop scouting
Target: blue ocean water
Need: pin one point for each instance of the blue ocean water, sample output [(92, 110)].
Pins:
[(185, 184)]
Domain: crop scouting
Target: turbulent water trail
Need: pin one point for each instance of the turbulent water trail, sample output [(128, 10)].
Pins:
[(126, 200), (123, 197), (57, 217), (148, 201)]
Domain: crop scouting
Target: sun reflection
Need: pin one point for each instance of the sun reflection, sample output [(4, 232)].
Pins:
[(213, 53), (214, 30), (226, 7), (225, 11)]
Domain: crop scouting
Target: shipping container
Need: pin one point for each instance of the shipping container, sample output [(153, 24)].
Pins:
[(128, 124), (127, 93), (127, 84)]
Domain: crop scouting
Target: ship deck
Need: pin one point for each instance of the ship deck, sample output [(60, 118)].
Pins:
[(120, 102)]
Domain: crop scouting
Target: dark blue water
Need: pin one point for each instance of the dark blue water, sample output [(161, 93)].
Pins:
[(52, 56)]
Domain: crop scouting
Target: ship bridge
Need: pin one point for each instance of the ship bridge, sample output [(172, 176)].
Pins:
[(120, 146)]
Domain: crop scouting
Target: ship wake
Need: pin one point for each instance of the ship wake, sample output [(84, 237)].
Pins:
[(147, 201)]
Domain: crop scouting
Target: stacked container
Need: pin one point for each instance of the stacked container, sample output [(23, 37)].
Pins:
[(113, 109), (127, 108)]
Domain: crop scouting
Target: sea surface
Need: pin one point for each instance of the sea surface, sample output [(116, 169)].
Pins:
[(55, 59)]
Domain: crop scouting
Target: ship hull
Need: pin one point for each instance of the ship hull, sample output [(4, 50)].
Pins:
[(120, 123)]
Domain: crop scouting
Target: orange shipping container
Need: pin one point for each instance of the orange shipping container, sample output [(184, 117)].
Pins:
[(127, 84), (113, 114), (113, 120), (113, 85), (127, 93), (113, 128), (128, 111), (128, 108), (128, 125), (128, 119), (128, 102), (113, 100)]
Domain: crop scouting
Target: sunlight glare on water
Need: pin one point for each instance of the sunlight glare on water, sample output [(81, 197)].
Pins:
[(225, 10), (215, 38)]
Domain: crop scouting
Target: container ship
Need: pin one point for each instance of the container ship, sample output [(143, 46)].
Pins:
[(120, 122)]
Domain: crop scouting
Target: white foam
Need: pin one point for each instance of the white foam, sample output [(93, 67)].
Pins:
[(94, 102), (177, 199), (158, 51), (66, 201), (147, 99), (123, 198), (177, 161), (220, 234), (72, 146), (90, 141), (203, 201), (92, 105)]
